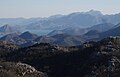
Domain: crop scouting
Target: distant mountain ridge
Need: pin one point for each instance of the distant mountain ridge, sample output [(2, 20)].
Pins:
[(81, 31), (60, 22), (68, 37), (114, 31)]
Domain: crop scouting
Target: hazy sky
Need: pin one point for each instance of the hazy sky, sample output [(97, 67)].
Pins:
[(43, 8)]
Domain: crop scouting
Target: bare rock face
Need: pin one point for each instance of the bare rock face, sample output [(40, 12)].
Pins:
[(9, 69)]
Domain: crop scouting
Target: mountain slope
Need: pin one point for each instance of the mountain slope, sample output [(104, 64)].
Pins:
[(81, 31), (55, 32), (100, 58), (102, 27), (61, 39), (111, 32), (70, 31), (92, 33), (28, 36), (97, 35), (7, 29)]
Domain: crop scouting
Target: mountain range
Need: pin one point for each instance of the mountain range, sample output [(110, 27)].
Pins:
[(27, 39), (59, 22), (68, 36), (80, 44)]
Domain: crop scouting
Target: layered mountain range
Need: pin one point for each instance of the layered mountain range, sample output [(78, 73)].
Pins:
[(68, 36), (75, 20), (81, 44)]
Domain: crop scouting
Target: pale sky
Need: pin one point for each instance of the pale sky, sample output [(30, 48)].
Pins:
[(44, 8)]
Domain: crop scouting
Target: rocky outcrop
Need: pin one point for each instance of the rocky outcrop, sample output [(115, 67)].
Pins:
[(10, 69)]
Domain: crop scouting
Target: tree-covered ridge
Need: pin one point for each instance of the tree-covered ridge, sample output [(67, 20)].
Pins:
[(99, 59)]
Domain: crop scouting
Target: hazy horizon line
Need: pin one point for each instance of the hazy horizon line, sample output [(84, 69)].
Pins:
[(103, 13)]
